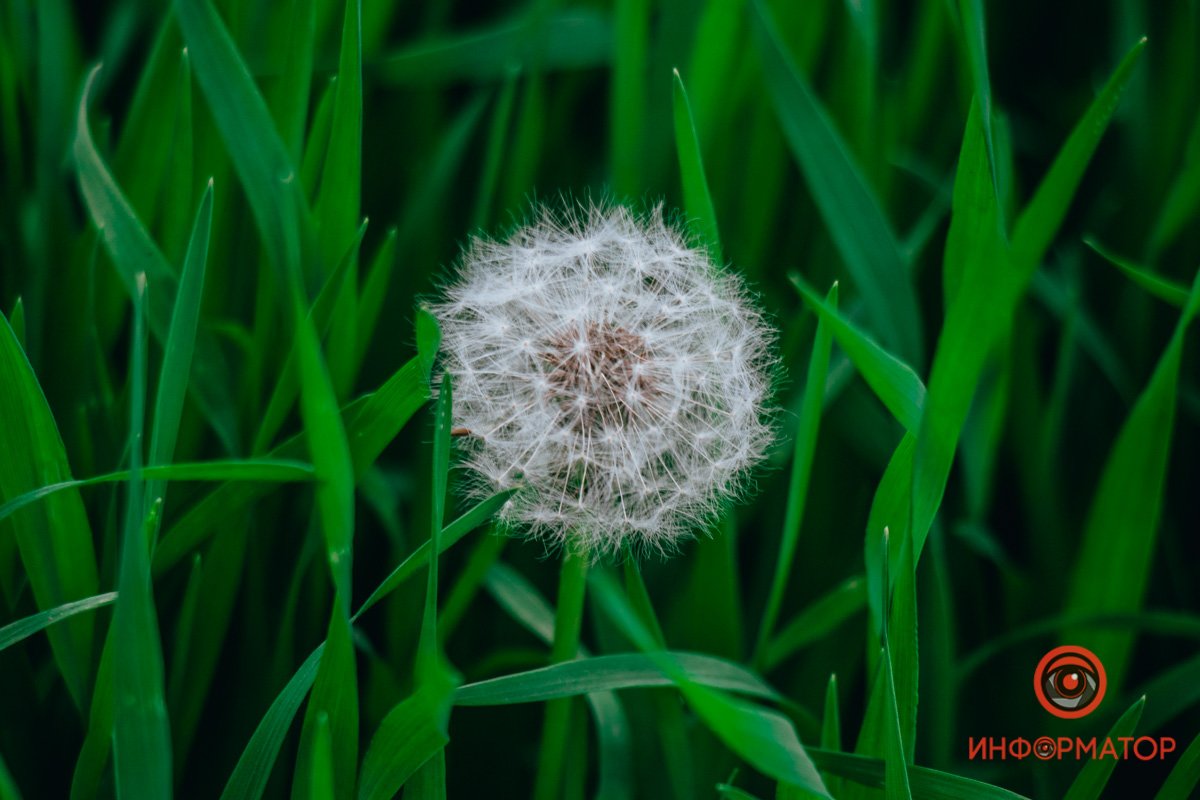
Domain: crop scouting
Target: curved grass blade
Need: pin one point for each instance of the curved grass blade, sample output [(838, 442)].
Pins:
[(893, 381), (851, 212), (334, 697), (697, 200), (627, 98), (55, 539), (485, 197), (14, 632), (1166, 290), (606, 673), (814, 622), (407, 738), (1091, 780), (803, 450), (258, 470)]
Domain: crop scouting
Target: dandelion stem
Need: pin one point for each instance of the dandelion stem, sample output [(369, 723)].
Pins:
[(567, 623)]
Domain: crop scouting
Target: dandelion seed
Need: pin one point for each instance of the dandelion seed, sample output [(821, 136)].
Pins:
[(612, 371)]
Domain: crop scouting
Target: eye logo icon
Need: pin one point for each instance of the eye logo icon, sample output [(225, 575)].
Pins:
[(1070, 682)]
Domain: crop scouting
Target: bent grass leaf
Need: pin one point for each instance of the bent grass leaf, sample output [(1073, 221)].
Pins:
[(697, 201), (1166, 290), (1184, 775), (14, 632), (927, 784), (1091, 780)]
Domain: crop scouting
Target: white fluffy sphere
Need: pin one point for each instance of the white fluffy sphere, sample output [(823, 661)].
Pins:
[(612, 371)]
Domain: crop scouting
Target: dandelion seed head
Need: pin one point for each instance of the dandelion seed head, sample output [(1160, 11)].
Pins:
[(610, 370)]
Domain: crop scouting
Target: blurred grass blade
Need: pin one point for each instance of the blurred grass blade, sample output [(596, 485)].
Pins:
[(1090, 782), (290, 99), (133, 252), (803, 450), (54, 539), (609, 672), (321, 779), (1162, 288), (14, 632), (177, 352), (1117, 550), (818, 620), (141, 734), (1182, 200), (258, 470), (1185, 775), (339, 196), (627, 97), (976, 225), (489, 175), (374, 292), (851, 212), (831, 732), (429, 658), (570, 39), (893, 381), (971, 14), (697, 201), (927, 784)]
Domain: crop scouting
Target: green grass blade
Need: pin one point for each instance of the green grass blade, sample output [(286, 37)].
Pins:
[(803, 450), (1185, 775), (971, 14), (927, 784), (976, 223), (627, 98), (1164, 289), (831, 732), (983, 307), (93, 755), (374, 291), (697, 201), (290, 98), (181, 341), (134, 252), (14, 632), (570, 39), (407, 738), (245, 124), (54, 539), (249, 778), (1116, 553), (819, 619), (141, 734), (429, 657), (339, 196), (893, 381), (851, 212), (321, 779), (334, 696), (606, 673), (1038, 223), (489, 176), (257, 470), (764, 738), (1090, 782), (321, 313)]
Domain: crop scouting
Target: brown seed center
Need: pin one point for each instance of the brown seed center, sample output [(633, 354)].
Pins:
[(598, 375)]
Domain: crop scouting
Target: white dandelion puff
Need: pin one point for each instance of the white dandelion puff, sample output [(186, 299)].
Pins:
[(611, 371)]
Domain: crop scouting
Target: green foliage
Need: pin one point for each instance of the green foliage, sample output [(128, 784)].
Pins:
[(209, 362)]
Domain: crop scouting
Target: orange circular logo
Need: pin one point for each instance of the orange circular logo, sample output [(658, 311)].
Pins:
[(1070, 682)]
